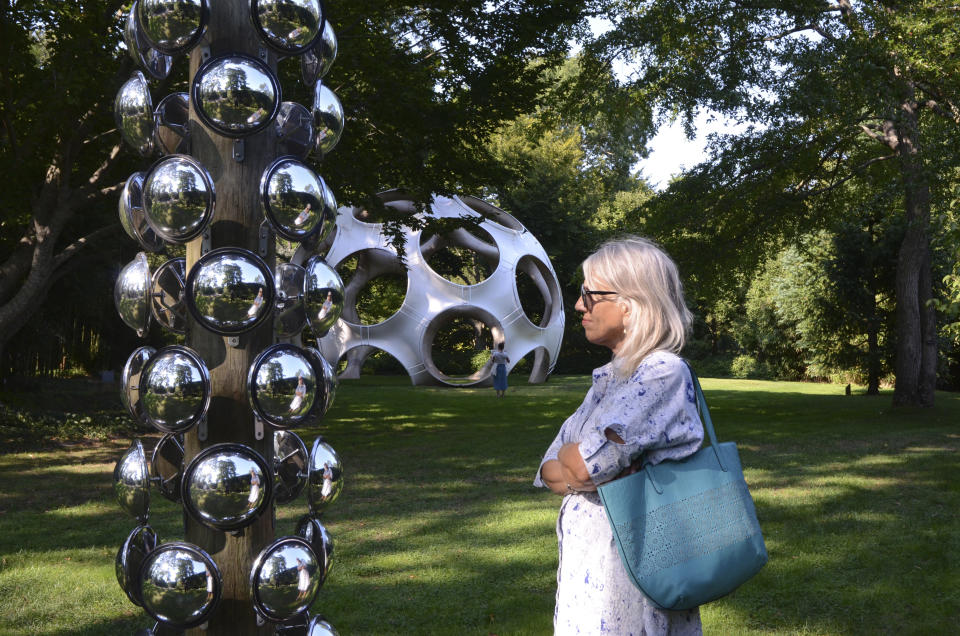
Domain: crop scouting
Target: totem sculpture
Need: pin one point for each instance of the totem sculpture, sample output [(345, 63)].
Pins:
[(431, 300), (231, 176)]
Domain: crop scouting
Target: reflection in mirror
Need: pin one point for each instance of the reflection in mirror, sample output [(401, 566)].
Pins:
[(294, 127), (173, 26), (329, 376), (319, 626), (323, 296), (166, 295), (130, 294), (317, 535), (285, 579), (154, 62), (325, 480), (288, 26), (175, 389), (230, 290), (133, 111), (132, 217), (178, 198), (227, 486), (180, 584), (290, 317), (130, 557), (290, 459), (171, 124), (167, 466), (327, 119), (316, 62), (292, 197), (284, 387), (130, 381), (235, 95), (131, 483)]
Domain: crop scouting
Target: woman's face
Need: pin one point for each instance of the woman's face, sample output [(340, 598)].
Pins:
[(604, 324)]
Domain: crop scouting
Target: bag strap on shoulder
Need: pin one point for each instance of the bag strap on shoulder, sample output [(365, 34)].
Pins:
[(705, 413)]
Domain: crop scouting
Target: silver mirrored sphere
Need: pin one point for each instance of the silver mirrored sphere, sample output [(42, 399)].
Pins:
[(180, 584), (317, 61), (294, 128), (132, 217), (285, 579), (171, 124), (230, 290), (325, 480), (235, 95), (323, 295), (131, 294), (292, 197), (306, 625), (319, 626), (166, 462), (316, 534), (154, 62), (133, 112), (175, 389), (227, 486), (290, 459), (284, 387), (166, 294), (130, 380), (178, 198), (131, 482), (288, 26), (328, 119), (290, 317), (329, 376), (130, 557), (173, 26)]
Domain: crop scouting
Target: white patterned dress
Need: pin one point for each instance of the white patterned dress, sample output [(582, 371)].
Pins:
[(654, 412)]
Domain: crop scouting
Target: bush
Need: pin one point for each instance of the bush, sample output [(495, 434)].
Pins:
[(744, 366)]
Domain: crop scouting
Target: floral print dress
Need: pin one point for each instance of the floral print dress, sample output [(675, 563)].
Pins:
[(654, 412)]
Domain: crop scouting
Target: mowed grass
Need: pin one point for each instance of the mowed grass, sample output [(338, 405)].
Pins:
[(439, 530)]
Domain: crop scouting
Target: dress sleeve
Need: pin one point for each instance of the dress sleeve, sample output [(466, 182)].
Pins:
[(653, 412)]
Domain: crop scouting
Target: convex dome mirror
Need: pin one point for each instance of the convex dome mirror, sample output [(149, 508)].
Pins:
[(328, 119), (329, 375), (171, 124), (173, 26), (317, 61), (130, 381), (323, 295), (286, 386), (166, 292), (132, 217), (230, 290), (290, 461), (325, 479), (306, 625), (316, 534), (285, 579), (154, 62), (166, 463), (291, 316), (227, 486), (175, 389), (296, 201), (294, 128), (131, 482), (288, 27), (180, 584), (133, 111), (131, 294), (141, 542), (178, 198), (235, 95)]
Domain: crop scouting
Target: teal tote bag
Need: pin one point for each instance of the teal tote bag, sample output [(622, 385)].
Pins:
[(687, 531)]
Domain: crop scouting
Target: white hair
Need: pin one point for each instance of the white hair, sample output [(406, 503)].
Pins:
[(648, 284)]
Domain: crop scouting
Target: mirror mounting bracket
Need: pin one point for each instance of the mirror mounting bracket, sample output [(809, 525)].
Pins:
[(205, 242), (233, 341), (264, 238), (202, 429), (238, 150), (257, 427)]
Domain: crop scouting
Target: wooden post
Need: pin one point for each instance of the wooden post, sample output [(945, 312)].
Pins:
[(236, 223)]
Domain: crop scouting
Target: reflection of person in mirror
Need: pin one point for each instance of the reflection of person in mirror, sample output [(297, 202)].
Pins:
[(303, 216), (303, 580), (209, 587), (325, 307), (298, 394), (500, 361), (327, 487), (254, 495), (257, 304)]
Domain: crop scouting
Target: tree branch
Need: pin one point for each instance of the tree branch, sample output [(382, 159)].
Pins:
[(71, 250), (856, 170)]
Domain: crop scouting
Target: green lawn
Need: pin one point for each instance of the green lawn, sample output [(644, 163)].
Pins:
[(438, 529)]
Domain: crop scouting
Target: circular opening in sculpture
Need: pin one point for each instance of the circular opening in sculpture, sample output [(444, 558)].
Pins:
[(538, 291), (457, 344), (375, 285), (492, 213), (465, 256)]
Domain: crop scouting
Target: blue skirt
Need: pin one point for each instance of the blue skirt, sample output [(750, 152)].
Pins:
[(500, 378)]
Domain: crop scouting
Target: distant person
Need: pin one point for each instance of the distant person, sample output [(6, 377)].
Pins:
[(500, 361), (325, 307), (642, 406), (327, 475), (257, 304), (299, 394), (303, 216), (303, 580), (254, 497)]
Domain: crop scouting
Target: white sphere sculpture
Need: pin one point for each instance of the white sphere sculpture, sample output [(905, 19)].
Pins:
[(431, 300)]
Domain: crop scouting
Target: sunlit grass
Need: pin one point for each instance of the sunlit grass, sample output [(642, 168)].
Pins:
[(439, 530)]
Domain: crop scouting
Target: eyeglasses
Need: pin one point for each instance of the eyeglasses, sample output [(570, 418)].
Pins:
[(587, 296)]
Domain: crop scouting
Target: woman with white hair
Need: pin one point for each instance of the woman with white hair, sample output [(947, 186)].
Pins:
[(640, 408)]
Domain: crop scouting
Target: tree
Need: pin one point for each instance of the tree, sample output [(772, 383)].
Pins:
[(831, 89)]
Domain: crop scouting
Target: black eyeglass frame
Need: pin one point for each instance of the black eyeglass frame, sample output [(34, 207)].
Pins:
[(586, 295)]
